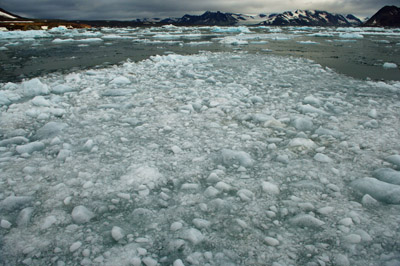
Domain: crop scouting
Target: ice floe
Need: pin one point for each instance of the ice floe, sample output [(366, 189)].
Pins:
[(225, 158)]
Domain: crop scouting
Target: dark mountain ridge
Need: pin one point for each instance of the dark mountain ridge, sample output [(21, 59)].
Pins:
[(7, 16), (388, 16)]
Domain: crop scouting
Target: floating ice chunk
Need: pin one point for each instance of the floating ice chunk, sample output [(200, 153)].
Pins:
[(308, 42), (80, 214), (166, 36), (352, 239), (90, 40), (24, 34), (311, 99), (5, 224), (245, 195), (271, 241), (13, 203), (213, 178), (341, 260), (346, 221), (325, 210), (175, 226), (34, 87), (48, 222), (176, 150), (328, 132), (59, 41), (311, 109), (30, 147), (364, 235), (190, 186), (201, 223), (233, 41), (88, 146), (223, 186), (387, 175), (379, 190), (199, 43), (148, 261), (121, 80), (24, 217), (8, 97), (178, 262), (240, 29), (75, 246), (261, 118), (193, 235), (256, 99), (13, 141), (306, 220), (351, 36), (231, 157), (367, 200), (63, 154), (302, 143), (58, 29), (63, 88), (371, 124), (142, 175), (373, 113), (211, 192), (50, 130), (388, 65), (176, 244), (303, 124), (283, 158), (322, 158), (117, 233), (40, 101), (394, 159), (270, 188), (136, 261)]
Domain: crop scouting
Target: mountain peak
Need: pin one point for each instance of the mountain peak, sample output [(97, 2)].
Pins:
[(7, 16), (310, 18), (387, 16)]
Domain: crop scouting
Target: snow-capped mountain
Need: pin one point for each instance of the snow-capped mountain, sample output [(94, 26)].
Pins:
[(208, 18), (388, 16), (288, 18), (311, 18), (7, 16)]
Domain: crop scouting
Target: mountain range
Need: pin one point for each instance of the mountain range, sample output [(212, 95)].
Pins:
[(386, 17), (288, 18)]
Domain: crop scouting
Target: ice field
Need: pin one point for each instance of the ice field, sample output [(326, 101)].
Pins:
[(214, 158)]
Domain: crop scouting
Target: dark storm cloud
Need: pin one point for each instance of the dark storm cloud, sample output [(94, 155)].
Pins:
[(130, 9)]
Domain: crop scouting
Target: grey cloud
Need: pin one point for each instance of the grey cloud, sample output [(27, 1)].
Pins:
[(130, 9)]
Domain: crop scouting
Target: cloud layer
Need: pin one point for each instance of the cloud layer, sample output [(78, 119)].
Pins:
[(131, 9)]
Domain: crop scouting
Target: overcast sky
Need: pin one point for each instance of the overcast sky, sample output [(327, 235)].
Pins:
[(130, 9)]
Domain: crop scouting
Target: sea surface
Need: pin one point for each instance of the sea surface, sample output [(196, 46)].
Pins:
[(357, 52)]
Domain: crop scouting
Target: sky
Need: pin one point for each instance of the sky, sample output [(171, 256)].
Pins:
[(131, 9)]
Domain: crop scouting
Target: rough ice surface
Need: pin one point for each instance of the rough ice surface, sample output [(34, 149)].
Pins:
[(206, 159)]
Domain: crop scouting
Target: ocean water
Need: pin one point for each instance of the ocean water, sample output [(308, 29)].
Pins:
[(200, 146), (356, 52)]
